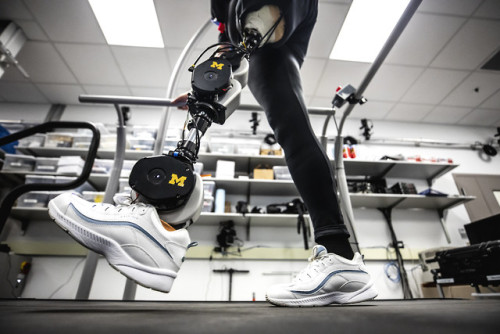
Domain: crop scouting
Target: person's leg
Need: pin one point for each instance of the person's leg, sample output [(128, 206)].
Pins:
[(274, 79)]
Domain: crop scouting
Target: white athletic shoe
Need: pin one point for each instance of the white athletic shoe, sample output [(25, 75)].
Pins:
[(131, 238), (327, 279)]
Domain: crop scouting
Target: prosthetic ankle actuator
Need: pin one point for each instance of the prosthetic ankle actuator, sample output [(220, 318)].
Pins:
[(168, 181)]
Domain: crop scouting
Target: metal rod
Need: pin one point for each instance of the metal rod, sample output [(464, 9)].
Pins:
[(165, 117), (128, 100), (396, 32), (343, 189), (90, 267), (311, 110)]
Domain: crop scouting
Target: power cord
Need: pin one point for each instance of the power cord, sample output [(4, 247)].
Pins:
[(68, 280)]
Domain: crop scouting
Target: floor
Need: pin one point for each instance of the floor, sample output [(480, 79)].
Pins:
[(381, 316)]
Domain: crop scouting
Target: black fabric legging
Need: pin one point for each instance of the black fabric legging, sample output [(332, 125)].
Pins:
[(274, 80)]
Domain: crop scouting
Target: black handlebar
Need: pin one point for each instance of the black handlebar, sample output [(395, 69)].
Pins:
[(11, 197)]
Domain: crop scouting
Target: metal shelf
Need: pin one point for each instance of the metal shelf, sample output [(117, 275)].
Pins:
[(246, 163), (378, 201)]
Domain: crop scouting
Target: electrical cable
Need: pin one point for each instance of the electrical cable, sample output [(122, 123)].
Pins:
[(335, 121), (9, 267), (397, 277), (210, 275), (68, 280)]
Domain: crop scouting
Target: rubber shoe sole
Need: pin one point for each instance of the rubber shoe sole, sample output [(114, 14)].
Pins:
[(152, 278), (336, 297)]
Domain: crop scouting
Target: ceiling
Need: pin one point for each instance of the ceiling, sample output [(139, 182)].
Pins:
[(432, 75)]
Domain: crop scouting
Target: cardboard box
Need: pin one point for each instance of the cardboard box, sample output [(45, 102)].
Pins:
[(262, 173), (429, 290)]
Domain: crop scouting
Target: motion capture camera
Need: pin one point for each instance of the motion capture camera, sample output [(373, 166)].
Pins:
[(346, 94)]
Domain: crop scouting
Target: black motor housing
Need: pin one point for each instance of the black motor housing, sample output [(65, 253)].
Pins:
[(163, 181)]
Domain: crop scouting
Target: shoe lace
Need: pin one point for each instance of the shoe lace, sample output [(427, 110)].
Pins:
[(315, 265), (121, 208)]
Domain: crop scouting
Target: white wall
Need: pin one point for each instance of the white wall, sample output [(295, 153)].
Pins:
[(419, 229)]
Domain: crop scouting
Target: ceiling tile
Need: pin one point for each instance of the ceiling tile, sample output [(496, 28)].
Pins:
[(32, 30), (324, 102), (489, 9), (184, 78), (446, 115), (452, 7), (67, 21), (92, 64), (14, 10), (493, 102), (107, 90), (146, 67), (482, 117), (471, 46), (408, 112), (176, 29), (372, 110), (148, 92), (61, 94), (423, 38), (433, 86), (340, 73), (311, 73), (328, 25), (465, 94), (391, 82), (21, 92), (43, 63)]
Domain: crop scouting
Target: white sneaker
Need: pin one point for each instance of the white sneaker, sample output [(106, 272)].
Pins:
[(327, 279), (131, 238)]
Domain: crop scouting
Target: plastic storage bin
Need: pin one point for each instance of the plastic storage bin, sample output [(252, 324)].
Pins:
[(141, 144), (123, 186), (84, 187), (208, 204), (221, 148), (102, 166), (59, 139), (281, 173), (141, 131), (33, 199), (248, 149), (40, 179), (127, 168), (37, 140), (48, 165), (208, 188), (70, 165), (81, 141), (108, 142), (19, 162)]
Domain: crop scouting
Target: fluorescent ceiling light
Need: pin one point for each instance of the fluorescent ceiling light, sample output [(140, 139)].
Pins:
[(366, 28), (128, 22)]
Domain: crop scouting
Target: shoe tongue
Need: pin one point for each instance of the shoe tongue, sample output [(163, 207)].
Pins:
[(318, 251)]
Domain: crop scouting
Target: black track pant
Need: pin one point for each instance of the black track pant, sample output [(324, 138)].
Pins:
[(274, 80)]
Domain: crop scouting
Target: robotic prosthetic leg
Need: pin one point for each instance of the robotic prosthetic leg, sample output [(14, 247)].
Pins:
[(168, 182)]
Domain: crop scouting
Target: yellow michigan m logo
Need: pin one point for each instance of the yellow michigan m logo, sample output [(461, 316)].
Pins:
[(177, 180), (217, 65)]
